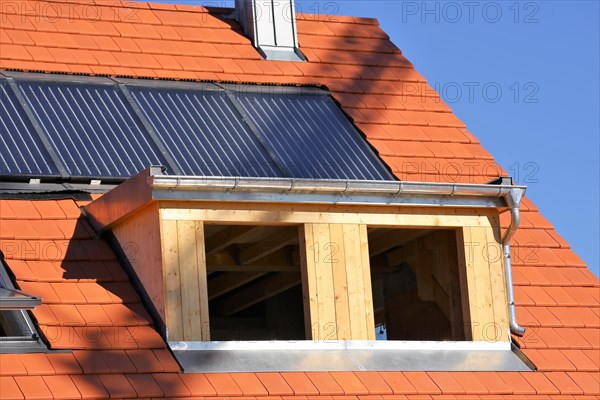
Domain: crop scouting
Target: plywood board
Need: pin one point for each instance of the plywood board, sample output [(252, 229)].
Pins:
[(139, 237)]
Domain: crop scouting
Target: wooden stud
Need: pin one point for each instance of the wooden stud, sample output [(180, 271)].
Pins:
[(202, 276), (368, 294), (480, 290), (462, 236), (172, 280), (309, 282), (495, 259), (323, 250), (356, 292), (189, 280), (339, 266)]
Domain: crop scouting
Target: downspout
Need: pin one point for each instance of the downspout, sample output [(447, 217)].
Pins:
[(513, 200)]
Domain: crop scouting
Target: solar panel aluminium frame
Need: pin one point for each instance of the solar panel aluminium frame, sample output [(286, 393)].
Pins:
[(121, 87), (230, 89), (233, 89), (248, 136), (29, 119), (106, 125)]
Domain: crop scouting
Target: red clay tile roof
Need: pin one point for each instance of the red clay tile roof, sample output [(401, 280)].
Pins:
[(90, 306)]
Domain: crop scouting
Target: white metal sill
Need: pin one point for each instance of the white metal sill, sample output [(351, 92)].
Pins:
[(346, 355)]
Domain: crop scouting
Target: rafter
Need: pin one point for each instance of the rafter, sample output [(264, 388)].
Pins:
[(227, 237), (268, 245), (394, 238), (225, 283), (253, 268), (254, 294)]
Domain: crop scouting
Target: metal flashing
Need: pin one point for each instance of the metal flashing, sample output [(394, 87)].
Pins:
[(351, 355)]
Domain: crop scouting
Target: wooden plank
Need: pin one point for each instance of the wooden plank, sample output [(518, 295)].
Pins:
[(139, 238), (368, 294), (355, 278), (410, 218), (309, 282), (498, 287), (225, 283), (189, 280), (202, 283), (465, 277), (254, 294), (481, 289), (322, 251), (226, 237), (278, 261), (171, 279), (268, 245), (338, 264)]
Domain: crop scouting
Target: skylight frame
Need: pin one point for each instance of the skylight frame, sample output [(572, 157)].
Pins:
[(29, 339)]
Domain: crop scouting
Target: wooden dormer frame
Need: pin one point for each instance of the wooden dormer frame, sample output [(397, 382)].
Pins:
[(172, 268)]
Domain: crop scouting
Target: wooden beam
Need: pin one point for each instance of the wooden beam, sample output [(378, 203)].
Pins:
[(340, 284), (254, 294), (367, 288), (287, 214), (464, 278), (192, 271), (279, 261), (309, 282), (268, 245), (394, 238), (231, 280), (323, 252), (493, 250), (226, 237), (479, 283)]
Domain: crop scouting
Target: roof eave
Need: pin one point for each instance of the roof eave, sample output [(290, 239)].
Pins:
[(152, 184)]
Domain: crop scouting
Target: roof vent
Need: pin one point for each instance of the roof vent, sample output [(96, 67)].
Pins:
[(272, 27)]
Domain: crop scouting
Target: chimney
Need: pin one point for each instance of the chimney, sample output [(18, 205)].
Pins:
[(271, 25)]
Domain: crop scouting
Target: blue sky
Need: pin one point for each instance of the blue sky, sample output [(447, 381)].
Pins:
[(524, 77), (544, 127)]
